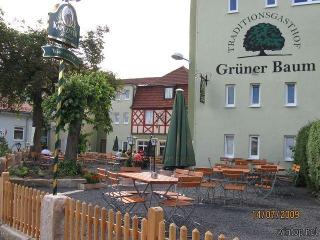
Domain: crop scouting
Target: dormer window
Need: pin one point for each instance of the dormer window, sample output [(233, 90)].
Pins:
[(168, 93)]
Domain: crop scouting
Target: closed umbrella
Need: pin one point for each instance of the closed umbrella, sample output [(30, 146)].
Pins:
[(179, 151), (115, 144)]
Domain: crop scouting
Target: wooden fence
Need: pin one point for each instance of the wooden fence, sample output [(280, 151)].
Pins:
[(20, 207), (84, 221)]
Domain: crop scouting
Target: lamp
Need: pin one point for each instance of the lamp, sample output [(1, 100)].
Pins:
[(179, 56), (154, 144)]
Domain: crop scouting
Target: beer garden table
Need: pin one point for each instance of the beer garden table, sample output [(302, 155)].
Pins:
[(145, 177)]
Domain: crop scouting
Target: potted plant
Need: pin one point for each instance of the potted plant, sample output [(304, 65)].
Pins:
[(93, 181)]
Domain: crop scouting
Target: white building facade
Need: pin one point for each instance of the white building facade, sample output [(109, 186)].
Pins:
[(261, 60)]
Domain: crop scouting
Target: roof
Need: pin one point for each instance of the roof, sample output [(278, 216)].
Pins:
[(25, 107), (152, 97), (178, 76)]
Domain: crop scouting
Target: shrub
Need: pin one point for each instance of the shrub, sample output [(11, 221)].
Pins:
[(19, 171), (91, 177), (4, 149), (69, 168), (300, 155), (313, 153)]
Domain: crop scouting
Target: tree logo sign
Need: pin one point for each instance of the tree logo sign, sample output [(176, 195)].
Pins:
[(263, 37)]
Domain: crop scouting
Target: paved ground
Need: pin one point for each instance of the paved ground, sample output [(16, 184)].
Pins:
[(237, 220)]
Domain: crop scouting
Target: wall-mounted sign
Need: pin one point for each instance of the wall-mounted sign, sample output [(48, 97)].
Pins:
[(63, 26), (203, 83), (60, 53), (264, 35)]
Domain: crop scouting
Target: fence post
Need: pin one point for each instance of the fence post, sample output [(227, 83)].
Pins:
[(52, 217), (3, 179), (155, 217)]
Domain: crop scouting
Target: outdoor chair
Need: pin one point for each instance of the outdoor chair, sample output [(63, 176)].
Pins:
[(179, 205), (208, 184), (226, 160), (118, 198), (240, 161), (267, 179), (258, 162), (290, 179), (234, 181), (179, 171)]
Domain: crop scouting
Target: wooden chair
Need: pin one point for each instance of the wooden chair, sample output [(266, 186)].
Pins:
[(267, 180), (240, 161), (119, 199), (258, 162), (181, 172), (178, 205), (207, 184), (234, 182)]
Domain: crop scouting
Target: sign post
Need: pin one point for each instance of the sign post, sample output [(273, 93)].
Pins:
[(64, 30)]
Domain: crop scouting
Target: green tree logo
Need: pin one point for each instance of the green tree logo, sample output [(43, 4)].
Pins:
[(263, 36)]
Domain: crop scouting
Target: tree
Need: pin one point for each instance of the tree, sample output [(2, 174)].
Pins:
[(263, 36), (313, 154), (24, 74), (87, 99)]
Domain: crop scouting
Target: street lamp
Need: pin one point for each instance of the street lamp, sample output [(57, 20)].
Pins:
[(154, 144), (179, 56)]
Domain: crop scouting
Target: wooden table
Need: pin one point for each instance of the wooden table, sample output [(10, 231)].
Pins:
[(279, 168), (220, 170), (146, 178)]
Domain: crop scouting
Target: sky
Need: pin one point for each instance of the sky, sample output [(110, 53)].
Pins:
[(143, 33)]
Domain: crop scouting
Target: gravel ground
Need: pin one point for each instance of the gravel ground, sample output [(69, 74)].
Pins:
[(233, 219)]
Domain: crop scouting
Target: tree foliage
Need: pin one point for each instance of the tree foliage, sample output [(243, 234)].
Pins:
[(300, 155), (4, 148), (86, 98), (313, 154), (263, 36)]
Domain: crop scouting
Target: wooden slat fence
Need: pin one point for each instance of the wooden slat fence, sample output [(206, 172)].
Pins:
[(21, 208), (84, 221)]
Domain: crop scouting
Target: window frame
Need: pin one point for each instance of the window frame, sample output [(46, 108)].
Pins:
[(124, 119), (227, 96), (237, 6), (116, 113), (165, 91), (125, 96), (162, 146), (255, 105), (250, 147), (143, 145), (226, 146), (145, 117), (18, 139), (271, 5), (288, 159), (305, 3), (287, 104)]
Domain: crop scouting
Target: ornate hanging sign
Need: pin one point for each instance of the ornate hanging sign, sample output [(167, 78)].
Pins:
[(63, 26), (61, 53)]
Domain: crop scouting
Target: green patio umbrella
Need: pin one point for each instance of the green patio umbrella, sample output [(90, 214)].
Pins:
[(115, 144), (179, 150)]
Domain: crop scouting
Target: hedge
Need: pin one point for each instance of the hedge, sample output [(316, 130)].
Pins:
[(313, 154), (300, 155)]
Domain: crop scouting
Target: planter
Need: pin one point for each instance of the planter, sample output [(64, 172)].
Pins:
[(88, 186)]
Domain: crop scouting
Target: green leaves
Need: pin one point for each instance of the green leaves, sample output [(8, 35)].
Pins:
[(86, 96), (313, 154)]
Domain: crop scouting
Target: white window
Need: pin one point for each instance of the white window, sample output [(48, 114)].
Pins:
[(125, 145), (229, 145), (232, 6), (301, 2), (289, 142), (254, 142), (126, 95), (230, 95), (291, 94), (148, 117), (18, 134), (271, 3), (142, 145), (255, 95), (116, 118), (125, 118), (168, 93), (162, 146)]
